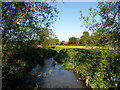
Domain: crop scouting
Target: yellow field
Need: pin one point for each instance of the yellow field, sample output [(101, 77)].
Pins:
[(82, 47)]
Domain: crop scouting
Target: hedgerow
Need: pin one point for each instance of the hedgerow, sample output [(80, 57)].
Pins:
[(102, 66)]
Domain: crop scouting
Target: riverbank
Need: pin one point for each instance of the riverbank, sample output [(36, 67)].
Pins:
[(50, 76), (97, 67), (17, 63)]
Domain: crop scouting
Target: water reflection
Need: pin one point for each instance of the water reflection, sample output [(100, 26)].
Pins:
[(49, 76)]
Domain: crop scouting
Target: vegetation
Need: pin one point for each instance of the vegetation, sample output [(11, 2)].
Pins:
[(25, 25), (85, 39), (22, 23), (100, 65), (59, 47), (18, 62), (73, 40), (26, 33)]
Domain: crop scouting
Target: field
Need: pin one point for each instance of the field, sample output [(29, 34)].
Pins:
[(60, 47), (82, 47)]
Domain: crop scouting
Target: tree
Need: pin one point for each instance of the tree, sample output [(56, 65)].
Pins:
[(108, 12), (21, 21), (50, 42), (92, 24), (73, 40), (62, 42), (106, 31), (57, 41), (85, 38), (103, 40)]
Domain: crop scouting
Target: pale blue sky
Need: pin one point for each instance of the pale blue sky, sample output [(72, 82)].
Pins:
[(69, 24)]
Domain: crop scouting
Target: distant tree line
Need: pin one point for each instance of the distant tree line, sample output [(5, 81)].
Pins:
[(87, 40), (103, 32)]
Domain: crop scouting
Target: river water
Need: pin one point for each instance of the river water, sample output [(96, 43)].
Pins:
[(49, 76)]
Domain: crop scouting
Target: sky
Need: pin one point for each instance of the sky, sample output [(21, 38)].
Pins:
[(69, 24)]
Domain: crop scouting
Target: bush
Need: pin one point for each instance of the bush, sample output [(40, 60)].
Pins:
[(101, 65), (18, 62), (60, 57)]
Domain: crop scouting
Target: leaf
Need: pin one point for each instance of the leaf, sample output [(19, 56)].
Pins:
[(18, 22)]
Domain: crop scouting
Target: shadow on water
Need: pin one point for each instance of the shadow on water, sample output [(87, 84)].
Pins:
[(49, 76)]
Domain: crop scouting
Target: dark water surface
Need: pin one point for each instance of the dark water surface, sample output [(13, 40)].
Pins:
[(49, 76)]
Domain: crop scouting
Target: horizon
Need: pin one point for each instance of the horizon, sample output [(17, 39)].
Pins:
[(69, 24)]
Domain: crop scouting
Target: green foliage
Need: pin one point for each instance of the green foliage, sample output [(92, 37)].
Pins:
[(101, 65), (106, 30), (73, 40), (62, 43), (25, 25), (54, 63), (24, 21), (59, 57), (15, 64), (85, 39), (68, 65), (36, 87)]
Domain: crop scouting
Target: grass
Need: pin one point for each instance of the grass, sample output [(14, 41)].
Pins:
[(60, 47), (82, 47), (68, 65)]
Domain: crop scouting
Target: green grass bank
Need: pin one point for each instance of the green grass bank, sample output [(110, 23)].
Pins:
[(100, 65)]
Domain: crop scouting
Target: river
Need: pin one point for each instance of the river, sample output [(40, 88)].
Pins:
[(48, 75)]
